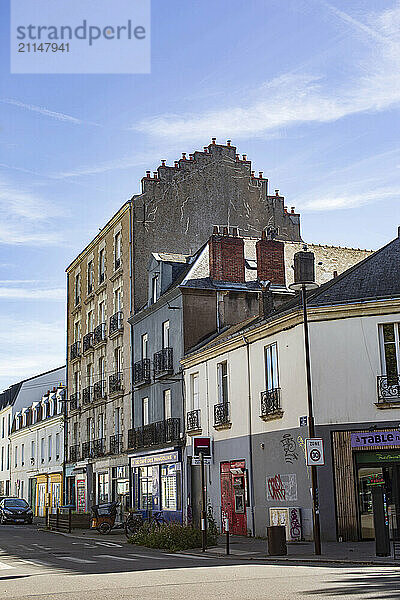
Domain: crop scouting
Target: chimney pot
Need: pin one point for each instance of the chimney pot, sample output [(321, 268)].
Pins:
[(215, 230), (292, 210), (176, 164), (237, 157), (398, 231), (184, 155), (235, 231), (244, 156), (228, 142), (205, 148), (276, 192), (263, 235), (260, 174), (225, 231), (163, 162), (147, 174), (252, 173), (213, 140), (191, 156), (155, 174)]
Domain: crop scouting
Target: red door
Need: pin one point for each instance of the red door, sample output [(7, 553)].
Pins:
[(233, 495)]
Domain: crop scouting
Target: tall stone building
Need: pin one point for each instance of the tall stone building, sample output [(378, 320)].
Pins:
[(107, 281)]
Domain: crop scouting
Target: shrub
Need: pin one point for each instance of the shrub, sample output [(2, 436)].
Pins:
[(171, 536)]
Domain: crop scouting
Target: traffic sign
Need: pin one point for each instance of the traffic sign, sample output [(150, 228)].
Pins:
[(196, 460), (201, 445), (315, 452)]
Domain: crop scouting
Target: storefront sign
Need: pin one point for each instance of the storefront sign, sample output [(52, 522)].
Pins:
[(155, 459), (369, 439), (81, 495), (385, 456)]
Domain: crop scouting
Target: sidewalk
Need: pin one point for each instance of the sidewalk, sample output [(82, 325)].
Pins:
[(361, 553)]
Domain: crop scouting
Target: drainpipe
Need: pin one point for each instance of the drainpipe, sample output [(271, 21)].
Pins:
[(251, 481), (65, 416)]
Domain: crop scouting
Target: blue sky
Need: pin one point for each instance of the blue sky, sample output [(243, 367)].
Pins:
[(308, 89)]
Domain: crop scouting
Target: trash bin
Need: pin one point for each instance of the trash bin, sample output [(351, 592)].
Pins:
[(276, 535)]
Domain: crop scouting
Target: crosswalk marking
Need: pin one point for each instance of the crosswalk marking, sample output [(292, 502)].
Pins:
[(74, 559), (5, 566), (115, 557), (109, 544)]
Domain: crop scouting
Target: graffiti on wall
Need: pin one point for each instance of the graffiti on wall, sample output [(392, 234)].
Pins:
[(282, 487), (294, 524), (289, 448)]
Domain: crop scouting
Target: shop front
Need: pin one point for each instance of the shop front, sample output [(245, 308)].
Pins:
[(157, 484), (48, 493), (234, 495), (367, 473)]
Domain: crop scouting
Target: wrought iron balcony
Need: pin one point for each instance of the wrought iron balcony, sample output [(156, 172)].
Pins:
[(75, 350), (74, 401), (117, 263), (271, 403), (388, 389), (74, 453), (154, 434), (87, 450), (99, 447), (99, 390), (115, 383), (141, 371), (193, 422), (87, 395), (222, 414), (116, 443), (163, 362), (88, 341), (100, 333), (116, 323)]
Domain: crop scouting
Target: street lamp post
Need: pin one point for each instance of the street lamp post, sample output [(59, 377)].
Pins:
[(304, 281)]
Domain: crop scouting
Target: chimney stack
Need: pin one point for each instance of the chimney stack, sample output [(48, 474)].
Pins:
[(226, 256), (265, 300), (270, 260)]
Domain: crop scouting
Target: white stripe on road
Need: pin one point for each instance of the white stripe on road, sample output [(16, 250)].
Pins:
[(5, 566), (74, 559), (189, 556), (149, 556), (115, 557), (109, 544)]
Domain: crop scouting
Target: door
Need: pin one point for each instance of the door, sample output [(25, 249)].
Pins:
[(233, 495), (41, 499)]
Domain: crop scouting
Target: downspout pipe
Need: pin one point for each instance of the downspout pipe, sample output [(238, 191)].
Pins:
[(251, 479), (65, 412)]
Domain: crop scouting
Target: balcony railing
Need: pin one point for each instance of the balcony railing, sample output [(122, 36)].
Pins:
[(74, 453), (75, 350), (87, 395), (271, 402), (222, 414), (388, 389), (193, 422), (74, 401), (88, 340), (94, 449), (115, 383), (99, 390), (163, 362), (100, 333), (116, 443), (141, 371), (116, 323), (154, 434)]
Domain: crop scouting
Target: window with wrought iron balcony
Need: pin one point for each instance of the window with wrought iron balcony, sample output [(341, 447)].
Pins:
[(116, 443), (75, 350), (99, 447), (99, 390), (100, 333), (163, 362), (74, 453), (193, 421), (87, 450), (116, 322), (88, 341), (74, 401), (388, 384), (87, 395), (141, 371), (222, 410), (155, 434), (115, 383), (270, 400)]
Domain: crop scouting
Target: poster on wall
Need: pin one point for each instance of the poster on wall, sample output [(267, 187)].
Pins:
[(290, 518), (81, 495), (282, 486)]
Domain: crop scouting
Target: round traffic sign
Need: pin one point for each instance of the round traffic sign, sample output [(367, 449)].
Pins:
[(315, 455)]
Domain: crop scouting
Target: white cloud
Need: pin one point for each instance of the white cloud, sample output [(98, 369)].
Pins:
[(346, 199), (24, 293), (47, 113), (294, 99)]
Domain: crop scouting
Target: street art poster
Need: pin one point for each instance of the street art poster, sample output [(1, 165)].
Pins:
[(290, 518), (282, 487)]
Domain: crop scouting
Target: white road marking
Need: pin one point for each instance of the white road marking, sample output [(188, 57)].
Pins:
[(115, 557), (109, 544), (146, 556), (189, 556), (5, 566), (74, 559)]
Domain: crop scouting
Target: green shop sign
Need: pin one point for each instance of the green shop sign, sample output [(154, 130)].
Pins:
[(386, 456)]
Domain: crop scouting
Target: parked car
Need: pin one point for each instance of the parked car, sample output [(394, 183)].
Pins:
[(15, 510)]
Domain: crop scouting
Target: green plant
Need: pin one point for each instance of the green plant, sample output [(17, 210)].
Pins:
[(170, 536)]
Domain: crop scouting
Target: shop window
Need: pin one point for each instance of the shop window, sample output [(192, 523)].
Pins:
[(271, 367), (222, 372), (390, 351), (146, 488), (170, 488), (103, 487)]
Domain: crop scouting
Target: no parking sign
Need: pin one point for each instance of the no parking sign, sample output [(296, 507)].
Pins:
[(315, 452)]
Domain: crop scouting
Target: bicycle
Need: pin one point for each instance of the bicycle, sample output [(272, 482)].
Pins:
[(134, 521)]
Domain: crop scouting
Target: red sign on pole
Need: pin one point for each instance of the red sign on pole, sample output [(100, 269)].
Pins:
[(202, 445)]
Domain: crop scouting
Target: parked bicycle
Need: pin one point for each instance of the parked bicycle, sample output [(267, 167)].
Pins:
[(135, 520)]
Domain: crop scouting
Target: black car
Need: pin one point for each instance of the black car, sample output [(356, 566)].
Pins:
[(15, 510)]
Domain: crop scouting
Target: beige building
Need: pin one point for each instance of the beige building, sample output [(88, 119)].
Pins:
[(98, 364)]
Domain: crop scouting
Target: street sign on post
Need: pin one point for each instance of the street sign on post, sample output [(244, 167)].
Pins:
[(315, 452), (202, 445)]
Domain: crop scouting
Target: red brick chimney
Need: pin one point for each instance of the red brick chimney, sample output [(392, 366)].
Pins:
[(226, 256), (270, 260)]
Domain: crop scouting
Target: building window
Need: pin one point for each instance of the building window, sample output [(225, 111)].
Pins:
[(22, 455), (102, 368), (90, 277), (16, 456), (9, 424), (145, 411), (170, 488), (167, 404), (222, 373), (102, 265), (57, 446), (77, 331), (8, 457), (103, 487), (390, 351), (271, 367), (42, 450), (89, 374), (2, 458), (75, 433), (117, 420), (89, 429), (118, 300), (145, 346), (165, 334), (90, 321), (117, 250), (154, 286), (146, 488), (194, 391), (100, 425), (32, 452), (102, 312), (3, 424), (77, 288), (118, 359)]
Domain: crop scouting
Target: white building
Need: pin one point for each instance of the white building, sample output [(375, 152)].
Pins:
[(15, 398), (37, 452), (248, 390)]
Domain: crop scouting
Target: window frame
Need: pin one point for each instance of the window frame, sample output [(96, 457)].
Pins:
[(274, 372)]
